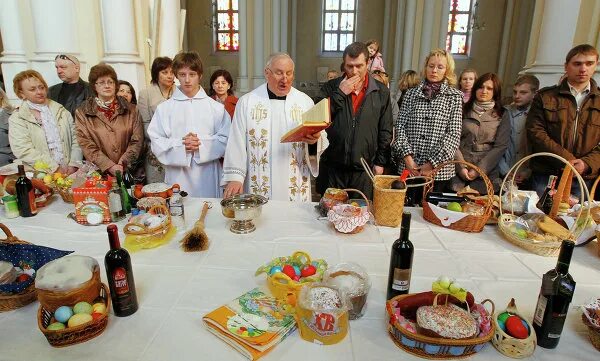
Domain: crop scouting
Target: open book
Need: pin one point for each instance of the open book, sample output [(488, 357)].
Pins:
[(314, 120), (252, 324)]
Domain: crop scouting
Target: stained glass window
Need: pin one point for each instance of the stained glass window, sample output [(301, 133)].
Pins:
[(339, 18), (226, 25), (459, 31)]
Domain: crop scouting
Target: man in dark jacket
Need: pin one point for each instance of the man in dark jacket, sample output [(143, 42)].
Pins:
[(565, 120), (361, 116), (73, 90)]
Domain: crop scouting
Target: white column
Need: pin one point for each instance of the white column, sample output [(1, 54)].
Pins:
[(242, 80), (426, 30), (275, 26), (55, 33), (120, 45), (13, 58), (557, 32), (258, 77), (169, 42), (409, 34), (283, 25), (444, 24), (399, 54)]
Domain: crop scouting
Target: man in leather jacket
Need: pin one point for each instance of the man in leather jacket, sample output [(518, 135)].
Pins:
[(73, 90)]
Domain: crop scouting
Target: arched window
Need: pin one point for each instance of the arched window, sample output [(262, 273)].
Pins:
[(227, 25), (458, 39), (339, 24)]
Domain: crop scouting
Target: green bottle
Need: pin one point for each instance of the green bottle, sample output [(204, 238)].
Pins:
[(124, 194)]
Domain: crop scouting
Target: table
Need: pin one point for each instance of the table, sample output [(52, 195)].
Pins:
[(176, 289)]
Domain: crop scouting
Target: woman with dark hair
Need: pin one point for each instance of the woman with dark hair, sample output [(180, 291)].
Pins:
[(109, 128), (6, 155), (221, 90), (161, 88), (485, 135), (126, 91)]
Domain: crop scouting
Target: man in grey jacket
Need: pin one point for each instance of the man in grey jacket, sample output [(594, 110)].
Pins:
[(73, 90)]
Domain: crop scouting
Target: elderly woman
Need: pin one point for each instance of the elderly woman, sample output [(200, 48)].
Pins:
[(162, 85), (485, 135), (109, 128), (429, 125), (6, 155), (42, 129), (221, 90)]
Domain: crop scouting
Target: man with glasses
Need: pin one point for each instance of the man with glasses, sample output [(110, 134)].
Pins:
[(255, 160), (73, 90)]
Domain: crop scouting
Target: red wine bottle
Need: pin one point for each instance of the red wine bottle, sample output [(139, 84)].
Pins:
[(553, 302), (401, 261), (546, 200), (120, 275), (25, 194)]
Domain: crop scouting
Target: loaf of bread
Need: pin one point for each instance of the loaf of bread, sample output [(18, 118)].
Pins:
[(448, 321), (8, 274)]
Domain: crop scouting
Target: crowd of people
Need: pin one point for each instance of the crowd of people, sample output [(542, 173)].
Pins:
[(216, 145)]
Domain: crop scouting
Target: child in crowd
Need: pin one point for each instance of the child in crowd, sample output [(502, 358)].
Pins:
[(332, 74), (375, 61), (516, 113), (465, 83)]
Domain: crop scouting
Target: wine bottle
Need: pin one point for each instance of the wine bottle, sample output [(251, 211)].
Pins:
[(124, 194), (401, 261), (120, 275), (25, 194), (129, 183), (176, 207), (545, 202), (553, 302), (115, 203), (439, 197)]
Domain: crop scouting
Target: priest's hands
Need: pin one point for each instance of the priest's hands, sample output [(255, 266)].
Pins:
[(232, 188), (191, 142), (311, 138), (352, 84)]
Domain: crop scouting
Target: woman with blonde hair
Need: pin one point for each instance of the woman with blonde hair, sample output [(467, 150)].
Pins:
[(42, 129), (6, 155), (465, 82), (429, 126), (408, 79)]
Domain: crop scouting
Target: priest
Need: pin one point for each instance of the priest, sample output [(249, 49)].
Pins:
[(188, 133), (256, 161)]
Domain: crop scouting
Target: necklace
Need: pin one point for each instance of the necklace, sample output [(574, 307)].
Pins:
[(168, 93)]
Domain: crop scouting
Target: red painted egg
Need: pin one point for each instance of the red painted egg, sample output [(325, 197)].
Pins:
[(515, 328), (22, 277), (289, 271), (296, 278), (308, 271), (96, 315)]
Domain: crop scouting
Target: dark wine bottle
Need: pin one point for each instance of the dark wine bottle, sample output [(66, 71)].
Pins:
[(129, 183), (553, 302), (439, 197), (120, 275), (545, 202), (125, 196), (401, 261), (25, 194)]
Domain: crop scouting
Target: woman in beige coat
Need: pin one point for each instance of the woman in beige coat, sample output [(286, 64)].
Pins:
[(42, 129)]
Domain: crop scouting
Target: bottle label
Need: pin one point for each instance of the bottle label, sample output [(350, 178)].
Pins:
[(176, 210), (540, 310), (401, 279), (120, 281), (114, 203)]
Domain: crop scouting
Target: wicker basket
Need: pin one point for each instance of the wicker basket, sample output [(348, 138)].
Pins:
[(388, 203), (436, 348), (542, 248), (350, 224), (65, 193), (137, 229), (12, 302), (510, 346), (592, 196), (470, 223), (74, 335), (88, 292), (593, 332)]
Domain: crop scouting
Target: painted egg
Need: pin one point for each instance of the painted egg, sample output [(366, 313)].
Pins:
[(296, 278), (63, 313), (297, 270), (82, 307), (525, 325), (502, 325), (274, 269), (79, 319), (55, 326), (98, 308), (308, 271), (503, 316), (289, 271), (515, 327), (97, 315)]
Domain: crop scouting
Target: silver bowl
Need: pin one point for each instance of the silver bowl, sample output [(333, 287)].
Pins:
[(243, 208)]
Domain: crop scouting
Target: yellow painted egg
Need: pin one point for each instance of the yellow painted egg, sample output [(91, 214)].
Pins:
[(79, 319), (99, 308)]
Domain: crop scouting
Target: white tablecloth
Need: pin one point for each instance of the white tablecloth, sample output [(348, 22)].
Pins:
[(176, 289)]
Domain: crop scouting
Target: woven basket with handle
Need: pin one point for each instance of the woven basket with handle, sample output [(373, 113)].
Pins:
[(388, 203), (592, 196), (563, 192), (12, 302), (470, 223)]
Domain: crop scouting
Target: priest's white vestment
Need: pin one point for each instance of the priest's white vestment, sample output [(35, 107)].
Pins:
[(255, 156), (198, 173)]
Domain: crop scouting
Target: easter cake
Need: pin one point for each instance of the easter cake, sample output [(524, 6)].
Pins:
[(354, 280), (8, 274), (444, 321)]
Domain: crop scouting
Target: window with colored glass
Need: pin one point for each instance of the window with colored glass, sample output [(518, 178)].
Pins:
[(227, 25), (339, 24), (459, 30)]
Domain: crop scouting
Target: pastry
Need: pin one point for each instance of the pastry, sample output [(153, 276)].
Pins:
[(467, 191), (446, 321), (8, 274), (336, 194), (352, 279), (548, 225), (66, 273)]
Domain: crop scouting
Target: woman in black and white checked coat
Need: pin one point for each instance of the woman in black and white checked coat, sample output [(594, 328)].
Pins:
[(428, 130)]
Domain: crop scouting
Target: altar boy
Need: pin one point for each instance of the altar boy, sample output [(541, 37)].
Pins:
[(188, 132)]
